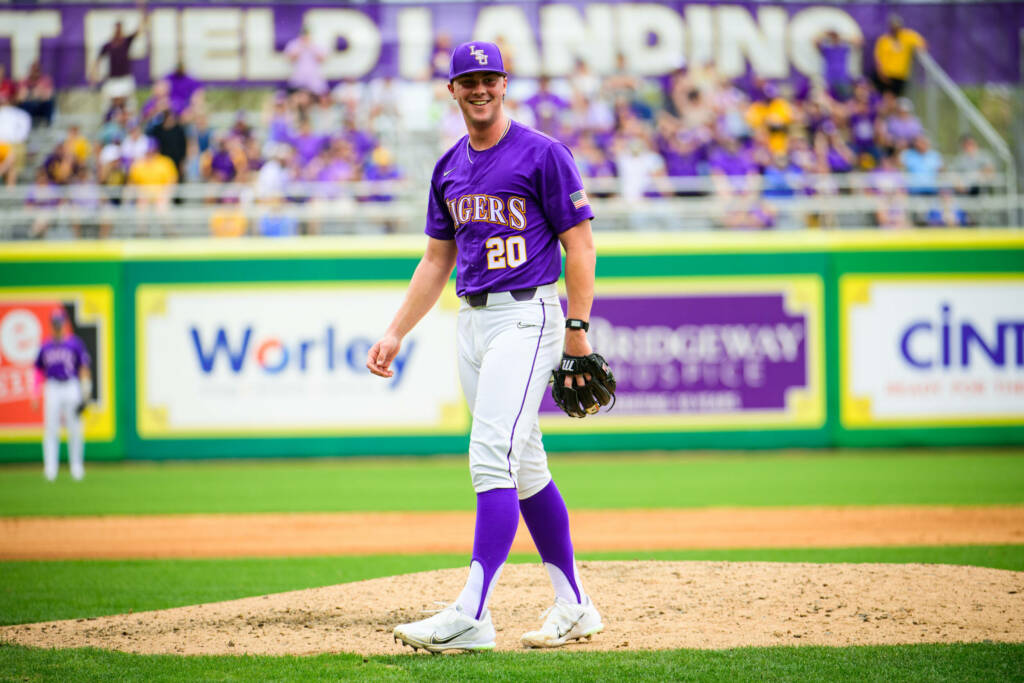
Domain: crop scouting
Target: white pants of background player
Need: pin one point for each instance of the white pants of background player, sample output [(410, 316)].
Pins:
[(60, 399), (507, 350)]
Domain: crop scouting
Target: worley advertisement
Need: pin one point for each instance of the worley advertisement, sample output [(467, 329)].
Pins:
[(289, 358), (938, 350), (703, 354)]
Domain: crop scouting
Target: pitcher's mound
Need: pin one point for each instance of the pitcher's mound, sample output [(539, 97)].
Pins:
[(645, 605)]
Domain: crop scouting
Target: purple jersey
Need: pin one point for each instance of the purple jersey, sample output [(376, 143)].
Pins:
[(505, 207), (61, 360)]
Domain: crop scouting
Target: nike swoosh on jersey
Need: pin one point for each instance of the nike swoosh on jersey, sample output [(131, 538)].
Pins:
[(434, 640), (448, 171), (521, 325)]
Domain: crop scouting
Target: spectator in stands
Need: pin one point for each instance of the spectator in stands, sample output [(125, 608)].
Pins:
[(593, 163), (275, 223), (8, 88), (307, 144), (922, 164), (152, 179), (112, 173), (835, 54), (548, 109), (783, 180), (771, 116), (36, 94), (61, 165), (641, 173), (306, 58), (381, 168), (894, 56), (901, 126), (135, 145), (863, 124), (275, 175), (685, 153), (15, 126), (171, 140), (86, 202), (733, 169), (183, 89), (78, 144), (947, 214), (830, 145), (42, 199), (441, 56), (974, 167), (119, 87), (158, 102)]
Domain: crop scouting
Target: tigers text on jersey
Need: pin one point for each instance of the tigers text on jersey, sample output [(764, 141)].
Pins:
[(505, 207)]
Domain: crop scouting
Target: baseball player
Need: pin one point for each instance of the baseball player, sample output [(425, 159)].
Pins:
[(501, 202), (62, 368)]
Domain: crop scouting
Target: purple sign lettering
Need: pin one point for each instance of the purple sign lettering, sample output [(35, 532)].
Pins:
[(692, 353)]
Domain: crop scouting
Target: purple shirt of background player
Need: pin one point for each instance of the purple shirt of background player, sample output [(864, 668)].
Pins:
[(534, 191), (61, 360)]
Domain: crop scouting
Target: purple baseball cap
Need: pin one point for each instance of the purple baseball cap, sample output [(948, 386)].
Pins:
[(476, 56)]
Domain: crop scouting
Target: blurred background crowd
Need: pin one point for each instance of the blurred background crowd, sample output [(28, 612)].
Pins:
[(689, 150)]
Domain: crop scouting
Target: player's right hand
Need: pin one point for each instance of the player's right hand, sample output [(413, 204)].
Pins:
[(378, 359)]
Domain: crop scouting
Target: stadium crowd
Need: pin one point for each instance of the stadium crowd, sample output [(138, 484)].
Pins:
[(753, 145)]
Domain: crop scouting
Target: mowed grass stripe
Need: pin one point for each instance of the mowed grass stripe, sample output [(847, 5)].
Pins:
[(955, 477), (961, 662), (46, 591)]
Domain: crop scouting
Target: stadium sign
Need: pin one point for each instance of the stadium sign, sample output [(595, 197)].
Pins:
[(932, 350), (289, 359), (709, 353), (244, 44)]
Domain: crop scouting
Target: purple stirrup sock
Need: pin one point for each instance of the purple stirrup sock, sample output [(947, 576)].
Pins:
[(548, 521), (497, 518)]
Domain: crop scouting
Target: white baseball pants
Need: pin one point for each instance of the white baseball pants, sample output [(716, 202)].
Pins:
[(507, 350), (59, 402)]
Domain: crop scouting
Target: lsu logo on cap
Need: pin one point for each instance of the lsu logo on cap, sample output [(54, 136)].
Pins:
[(480, 55)]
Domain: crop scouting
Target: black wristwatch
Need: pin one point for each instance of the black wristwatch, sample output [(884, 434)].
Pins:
[(577, 324)]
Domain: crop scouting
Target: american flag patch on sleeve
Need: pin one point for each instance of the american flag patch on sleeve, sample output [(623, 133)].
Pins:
[(579, 199)]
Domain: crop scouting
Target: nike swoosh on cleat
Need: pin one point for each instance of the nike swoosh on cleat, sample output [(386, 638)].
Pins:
[(434, 640), (448, 171), (561, 633)]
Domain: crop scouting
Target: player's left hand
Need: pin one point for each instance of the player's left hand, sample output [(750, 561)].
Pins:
[(380, 355), (582, 384)]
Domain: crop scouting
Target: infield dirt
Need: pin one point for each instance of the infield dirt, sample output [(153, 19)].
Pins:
[(645, 605)]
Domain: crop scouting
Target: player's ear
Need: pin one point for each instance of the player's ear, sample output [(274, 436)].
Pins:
[(451, 89)]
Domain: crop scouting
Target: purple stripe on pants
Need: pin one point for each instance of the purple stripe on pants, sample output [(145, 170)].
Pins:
[(511, 438)]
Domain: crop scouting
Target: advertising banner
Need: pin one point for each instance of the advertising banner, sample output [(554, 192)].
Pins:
[(706, 354), (24, 326), (244, 43), (288, 358), (940, 350)]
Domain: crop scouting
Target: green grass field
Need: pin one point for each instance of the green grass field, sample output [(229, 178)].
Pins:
[(38, 591)]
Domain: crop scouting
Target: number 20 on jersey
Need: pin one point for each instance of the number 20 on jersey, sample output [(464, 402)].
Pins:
[(505, 253)]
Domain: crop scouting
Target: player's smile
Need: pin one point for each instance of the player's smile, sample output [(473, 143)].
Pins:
[(479, 96)]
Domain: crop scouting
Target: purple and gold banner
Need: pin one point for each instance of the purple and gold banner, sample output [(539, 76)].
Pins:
[(243, 44), (708, 353)]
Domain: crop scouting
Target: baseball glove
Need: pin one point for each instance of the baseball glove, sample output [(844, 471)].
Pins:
[(597, 391)]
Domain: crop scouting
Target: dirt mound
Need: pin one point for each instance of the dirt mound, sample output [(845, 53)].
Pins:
[(645, 605)]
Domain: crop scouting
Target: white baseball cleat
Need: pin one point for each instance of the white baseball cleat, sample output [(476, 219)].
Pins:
[(449, 629), (565, 621)]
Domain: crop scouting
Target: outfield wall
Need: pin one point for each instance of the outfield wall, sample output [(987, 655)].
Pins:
[(256, 348)]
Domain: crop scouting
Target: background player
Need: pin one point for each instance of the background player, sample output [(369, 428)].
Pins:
[(501, 200), (62, 368)]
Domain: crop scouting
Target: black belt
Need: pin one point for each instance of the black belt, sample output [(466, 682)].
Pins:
[(480, 299)]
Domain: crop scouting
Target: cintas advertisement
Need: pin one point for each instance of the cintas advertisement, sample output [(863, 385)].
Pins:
[(289, 359), (932, 349)]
